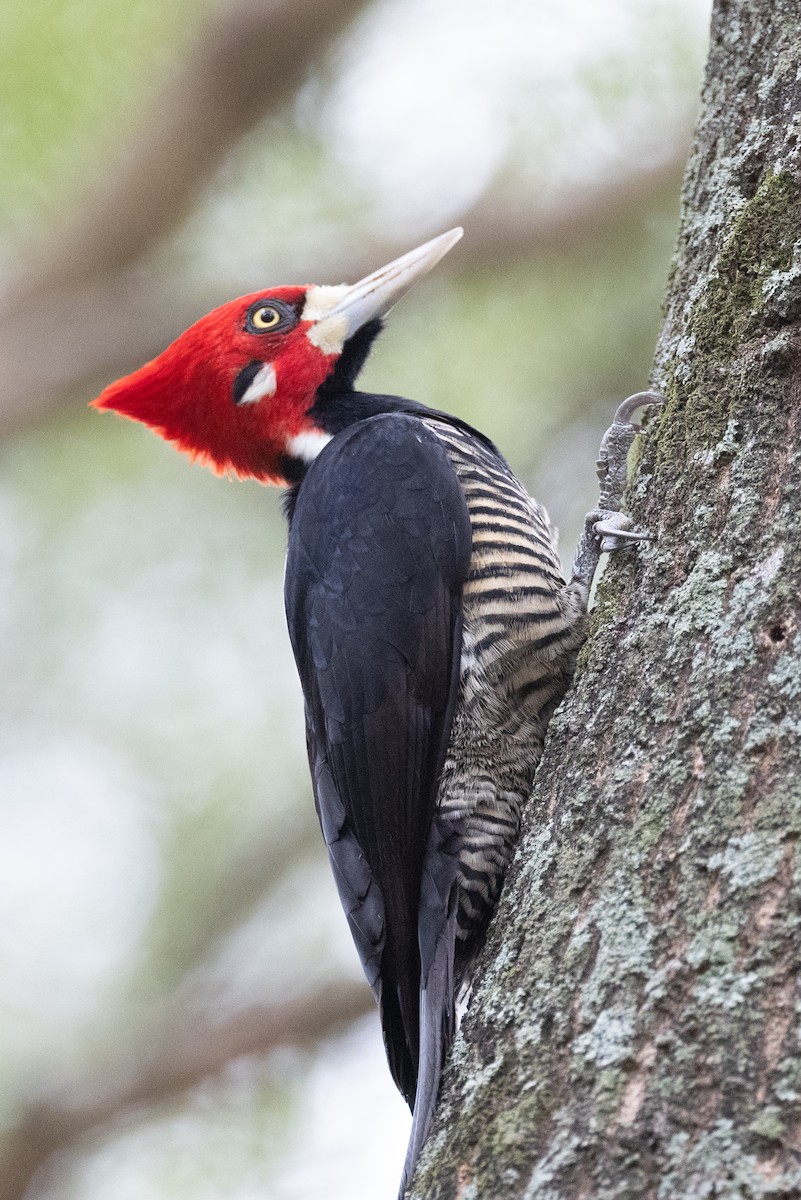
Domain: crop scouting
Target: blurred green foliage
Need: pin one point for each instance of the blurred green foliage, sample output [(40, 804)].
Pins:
[(72, 81)]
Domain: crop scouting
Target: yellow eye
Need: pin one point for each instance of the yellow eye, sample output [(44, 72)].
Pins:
[(266, 316)]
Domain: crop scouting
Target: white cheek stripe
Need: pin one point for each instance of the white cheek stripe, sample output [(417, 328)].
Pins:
[(264, 384), (307, 445)]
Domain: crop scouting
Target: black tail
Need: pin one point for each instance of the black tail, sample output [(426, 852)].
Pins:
[(437, 936)]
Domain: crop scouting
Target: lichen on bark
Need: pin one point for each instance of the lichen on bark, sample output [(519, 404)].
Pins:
[(634, 1030)]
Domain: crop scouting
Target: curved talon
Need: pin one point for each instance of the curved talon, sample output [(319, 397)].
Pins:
[(632, 403), (605, 530)]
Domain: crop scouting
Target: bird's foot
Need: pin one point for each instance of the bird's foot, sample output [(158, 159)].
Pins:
[(606, 528), (613, 530), (613, 454)]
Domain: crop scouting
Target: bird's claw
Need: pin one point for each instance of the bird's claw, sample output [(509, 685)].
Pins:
[(614, 531), (630, 405), (606, 528)]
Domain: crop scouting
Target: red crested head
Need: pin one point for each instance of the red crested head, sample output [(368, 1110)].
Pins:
[(236, 390), (215, 391)]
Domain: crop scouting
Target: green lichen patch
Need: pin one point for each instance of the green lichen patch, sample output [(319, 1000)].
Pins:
[(760, 246), (768, 1124), (749, 860), (717, 1164), (751, 288), (609, 1041)]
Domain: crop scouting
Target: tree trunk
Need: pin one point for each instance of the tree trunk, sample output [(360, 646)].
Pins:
[(634, 1030)]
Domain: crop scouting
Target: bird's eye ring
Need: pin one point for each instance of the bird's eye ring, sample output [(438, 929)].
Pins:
[(271, 316)]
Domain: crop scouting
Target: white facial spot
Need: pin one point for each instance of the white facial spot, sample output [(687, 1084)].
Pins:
[(307, 445), (329, 328), (320, 301), (264, 384)]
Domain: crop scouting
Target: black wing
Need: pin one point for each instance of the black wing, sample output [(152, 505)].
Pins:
[(379, 548)]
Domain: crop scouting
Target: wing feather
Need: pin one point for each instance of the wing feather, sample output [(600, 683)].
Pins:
[(379, 548)]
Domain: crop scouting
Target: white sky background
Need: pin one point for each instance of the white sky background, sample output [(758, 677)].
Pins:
[(428, 121), (436, 102), (431, 103)]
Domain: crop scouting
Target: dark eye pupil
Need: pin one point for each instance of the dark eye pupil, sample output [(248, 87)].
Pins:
[(269, 316)]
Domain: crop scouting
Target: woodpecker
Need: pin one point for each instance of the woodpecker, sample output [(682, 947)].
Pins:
[(433, 632)]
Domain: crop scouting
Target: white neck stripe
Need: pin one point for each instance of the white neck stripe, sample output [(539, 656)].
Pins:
[(307, 445)]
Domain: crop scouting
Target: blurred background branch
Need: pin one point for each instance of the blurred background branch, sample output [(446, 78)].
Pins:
[(249, 59), (181, 1049)]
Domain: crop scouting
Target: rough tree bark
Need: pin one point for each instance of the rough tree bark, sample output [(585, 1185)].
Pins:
[(635, 1031)]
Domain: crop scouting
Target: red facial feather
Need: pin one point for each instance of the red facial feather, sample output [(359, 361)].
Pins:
[(186, 394)]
